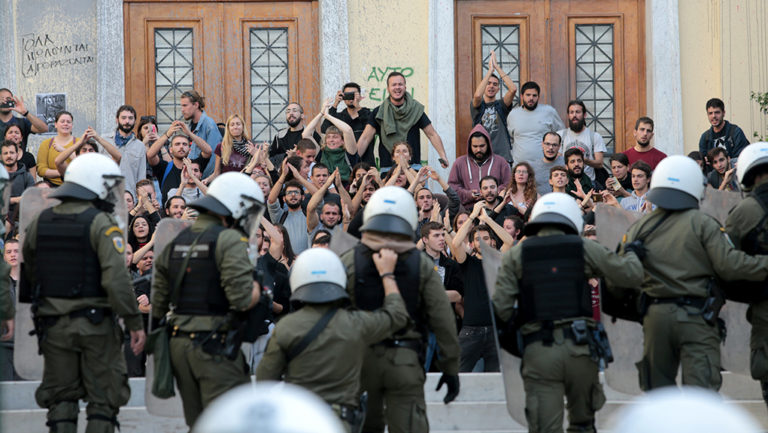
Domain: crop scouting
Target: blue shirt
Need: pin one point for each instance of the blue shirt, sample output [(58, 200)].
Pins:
[(207, 130)]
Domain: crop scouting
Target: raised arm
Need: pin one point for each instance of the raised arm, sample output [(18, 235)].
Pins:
[(317, 197), (188, 165), (508, 97), (457, 244), (309, 186), (109, 147), (62, 159), (365, 139), (477, 98), (309, 130), (276, 240), (437, 143), (357, 200), (38, 126), (274, 193), (345, 198), (154, 150), (205, 148), (350, 145), (507, 240), (139, 254)]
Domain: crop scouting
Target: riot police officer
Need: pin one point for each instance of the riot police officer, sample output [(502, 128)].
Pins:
[(393, 372), (546, 276), (204, 278), (747, 226), (321, 346), (687, 250), (7, 301), (76, 276)]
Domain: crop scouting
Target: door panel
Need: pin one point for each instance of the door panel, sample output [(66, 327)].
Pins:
[(242, 57), (585, 49)]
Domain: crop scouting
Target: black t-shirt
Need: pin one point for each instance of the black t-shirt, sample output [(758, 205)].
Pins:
[(28, 160), (477, 309), (281, 145), (24, 124), (357, 125), (173, 179), (413, 138)]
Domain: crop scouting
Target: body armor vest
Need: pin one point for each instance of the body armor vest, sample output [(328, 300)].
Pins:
[(200, 291), (553, 286), (67, 266), (369, 290), (755, 242)]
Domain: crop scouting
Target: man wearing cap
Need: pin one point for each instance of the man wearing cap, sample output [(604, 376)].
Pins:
[(747, 226), (393, 372), (680, 324), (554, 262), (328, 361), (74, 268), (204, 278)]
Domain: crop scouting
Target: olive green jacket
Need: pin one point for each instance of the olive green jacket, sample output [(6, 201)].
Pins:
[(686, 250), (330, 366), (744, 218), (235, 269), (437, 308), (618, 270), (7, 310), (108, 243)]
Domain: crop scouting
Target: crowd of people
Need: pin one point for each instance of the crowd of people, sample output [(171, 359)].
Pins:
[(318, 174)]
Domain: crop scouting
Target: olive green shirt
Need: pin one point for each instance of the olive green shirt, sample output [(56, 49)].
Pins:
[(745, 217), (235, 270), (7, 310), (686, 250), (599, 261), (331, 365), (437, 308), (108, 243)]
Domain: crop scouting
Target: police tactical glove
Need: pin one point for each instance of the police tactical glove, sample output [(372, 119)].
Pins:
[(638, 248), (453, 386)]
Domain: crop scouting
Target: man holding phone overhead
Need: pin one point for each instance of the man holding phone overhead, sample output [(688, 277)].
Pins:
[(353, 115), (133, 164)]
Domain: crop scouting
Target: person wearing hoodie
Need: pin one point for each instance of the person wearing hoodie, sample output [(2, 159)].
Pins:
[(480, 161), (19, 177)]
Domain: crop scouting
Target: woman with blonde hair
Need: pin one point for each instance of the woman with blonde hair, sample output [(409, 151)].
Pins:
[(235, 149)]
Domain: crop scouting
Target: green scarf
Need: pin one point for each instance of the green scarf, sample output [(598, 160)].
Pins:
[(333, 158), (397, 121)]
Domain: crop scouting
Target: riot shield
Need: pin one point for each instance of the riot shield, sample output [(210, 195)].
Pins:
[(718, 204), (26, 359), (165, 233), (510, 365)]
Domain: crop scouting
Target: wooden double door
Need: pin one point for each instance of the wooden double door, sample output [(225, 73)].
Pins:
[(592, 50), (250, 58)]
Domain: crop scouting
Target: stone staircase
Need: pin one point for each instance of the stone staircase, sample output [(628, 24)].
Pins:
[(480, 408)]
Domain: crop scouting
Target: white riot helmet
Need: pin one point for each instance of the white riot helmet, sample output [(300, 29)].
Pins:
[(677, 184), (318, 276), (391, 210), (233, 195), (685, 410), (558, 209), (90, 176), (754, 155), (268, 407)]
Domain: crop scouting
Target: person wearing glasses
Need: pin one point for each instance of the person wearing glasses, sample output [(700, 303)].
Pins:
[(133, 164), (551, 157)]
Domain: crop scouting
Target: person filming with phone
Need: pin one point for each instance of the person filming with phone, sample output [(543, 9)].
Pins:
[(28, 123), (353, 114)]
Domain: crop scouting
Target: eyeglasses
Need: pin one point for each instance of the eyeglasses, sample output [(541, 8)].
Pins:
[(551, 144), (521, 171), (293, 192)]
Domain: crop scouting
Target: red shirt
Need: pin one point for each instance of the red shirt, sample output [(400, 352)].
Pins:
[(652, 157)]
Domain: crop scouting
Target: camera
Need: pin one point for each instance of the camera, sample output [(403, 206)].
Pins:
[(8, 103), (348, 96)]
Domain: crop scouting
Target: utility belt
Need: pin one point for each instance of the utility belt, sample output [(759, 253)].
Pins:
[(709, 307), (95, 315), (213, 342), (680, 301), (412, 344), (354, 416), (581, 334)]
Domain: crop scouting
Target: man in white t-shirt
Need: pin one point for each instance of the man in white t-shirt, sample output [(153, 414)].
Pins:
[(579, 135)]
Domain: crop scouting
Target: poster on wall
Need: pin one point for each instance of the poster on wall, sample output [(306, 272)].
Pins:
[(48, 104)]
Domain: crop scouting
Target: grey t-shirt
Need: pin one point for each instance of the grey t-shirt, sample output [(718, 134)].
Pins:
[(588, 140), (527, 128), (295, 223), (541, 170)]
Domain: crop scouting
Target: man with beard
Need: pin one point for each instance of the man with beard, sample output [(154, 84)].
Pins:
[(353, 115), (530, 121), (491, 112), (28, 123), (399, 118), (290, 215), (722, 133), (578, 135), (550, 148), (192, 104), (644, 150), (19, 176), (175, 207), (574, 161), (723, 174), (169, 173), (133, 163), (287, 138), (426, 202), (480, 161), (489, 191)]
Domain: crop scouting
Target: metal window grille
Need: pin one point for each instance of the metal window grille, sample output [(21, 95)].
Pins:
[(595, 78), (174, 72), (269, 81), (505, 41)]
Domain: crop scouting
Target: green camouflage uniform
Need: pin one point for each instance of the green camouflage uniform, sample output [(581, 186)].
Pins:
[(330, 366), (85, 360), (563, 368), (394, 376), (684, 253), (200, 376)]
